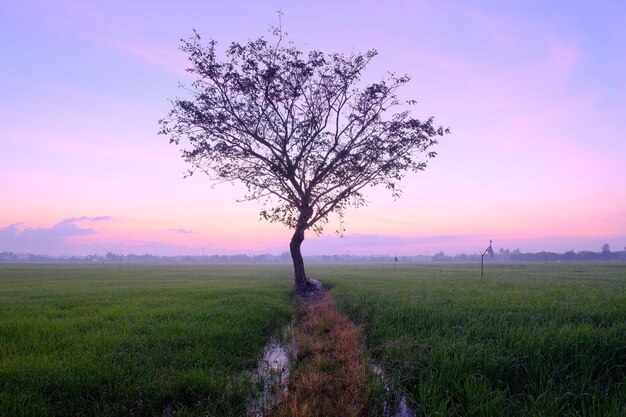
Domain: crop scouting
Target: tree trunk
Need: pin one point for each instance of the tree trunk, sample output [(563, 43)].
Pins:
[(296, 257)]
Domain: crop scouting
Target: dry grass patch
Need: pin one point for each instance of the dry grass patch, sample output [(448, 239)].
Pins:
[(330, 376)]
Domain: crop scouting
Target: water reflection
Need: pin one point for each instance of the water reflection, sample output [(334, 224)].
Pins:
[(271, 378), (395, 403)]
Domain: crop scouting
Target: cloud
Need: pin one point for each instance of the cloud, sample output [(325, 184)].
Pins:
[(81, 236), (19, 237), (180, 231), (85, 218)]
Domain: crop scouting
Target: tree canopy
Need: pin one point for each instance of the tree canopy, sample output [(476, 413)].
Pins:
[(296, 129)]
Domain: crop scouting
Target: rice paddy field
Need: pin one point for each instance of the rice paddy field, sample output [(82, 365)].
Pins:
[(138, 341), (525, 340)]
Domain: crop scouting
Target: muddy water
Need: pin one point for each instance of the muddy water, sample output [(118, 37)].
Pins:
[(395, 404), (271, 378)]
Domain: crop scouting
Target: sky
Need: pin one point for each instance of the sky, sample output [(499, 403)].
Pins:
[(533, 91)]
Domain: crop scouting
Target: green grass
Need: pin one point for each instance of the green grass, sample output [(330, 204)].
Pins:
[(533, 340), (139, 341)]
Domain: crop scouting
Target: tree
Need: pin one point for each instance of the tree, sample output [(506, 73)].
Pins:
[(296, 130)]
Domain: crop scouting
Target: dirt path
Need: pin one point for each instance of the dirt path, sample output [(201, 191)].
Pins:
[(330, 374)]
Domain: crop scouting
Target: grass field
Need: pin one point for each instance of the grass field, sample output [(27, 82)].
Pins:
[(526, 340), (138, 341)]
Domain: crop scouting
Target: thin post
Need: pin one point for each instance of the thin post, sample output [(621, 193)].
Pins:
[(489, 250), (482, 257)]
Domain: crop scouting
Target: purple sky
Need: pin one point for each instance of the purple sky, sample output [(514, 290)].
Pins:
[(534, 93)]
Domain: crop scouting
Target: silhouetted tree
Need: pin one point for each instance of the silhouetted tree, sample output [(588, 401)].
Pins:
[(296, 130), (440, 257), (569, 256)]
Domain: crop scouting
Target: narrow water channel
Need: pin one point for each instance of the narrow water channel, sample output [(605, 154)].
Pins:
[(271, 378), (395, 403)]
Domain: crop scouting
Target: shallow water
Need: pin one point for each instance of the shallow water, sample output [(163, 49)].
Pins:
[(271, 377), (395, 403)]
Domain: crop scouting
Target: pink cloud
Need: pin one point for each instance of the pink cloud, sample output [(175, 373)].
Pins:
[(19, 237)]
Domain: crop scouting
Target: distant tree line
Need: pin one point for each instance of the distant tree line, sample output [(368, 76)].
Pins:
[(148, 259), (503, 255)]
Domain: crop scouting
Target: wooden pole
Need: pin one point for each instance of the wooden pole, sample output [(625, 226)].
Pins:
[(482, 256)]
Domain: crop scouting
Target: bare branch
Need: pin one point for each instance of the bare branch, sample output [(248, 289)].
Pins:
[(296, 129)]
